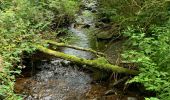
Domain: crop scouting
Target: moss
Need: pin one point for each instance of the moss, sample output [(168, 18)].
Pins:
[(98, 63)]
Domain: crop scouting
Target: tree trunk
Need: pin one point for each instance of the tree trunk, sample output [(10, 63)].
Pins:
[(74, 47), (94, 63)]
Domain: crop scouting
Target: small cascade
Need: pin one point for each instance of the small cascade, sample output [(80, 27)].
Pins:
[(55, 80)]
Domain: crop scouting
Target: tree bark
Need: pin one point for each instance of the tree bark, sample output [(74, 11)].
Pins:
[(93, 63)]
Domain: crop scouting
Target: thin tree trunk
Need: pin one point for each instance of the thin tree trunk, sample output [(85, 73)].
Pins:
[(74, 47)]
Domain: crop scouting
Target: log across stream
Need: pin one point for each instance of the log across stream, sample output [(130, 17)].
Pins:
[(51, 78)]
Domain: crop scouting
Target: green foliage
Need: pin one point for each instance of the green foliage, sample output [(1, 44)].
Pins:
[(64, 11), (152, 56), (152, 98), (141, 13), (67, 7), (146, 23), (22, 24)]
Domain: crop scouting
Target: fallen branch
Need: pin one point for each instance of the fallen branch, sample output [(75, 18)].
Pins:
[(119, 81), (94, 63), (74, 47)]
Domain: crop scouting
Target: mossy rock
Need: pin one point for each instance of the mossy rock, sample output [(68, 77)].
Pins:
[(104, 35), (107, 31)]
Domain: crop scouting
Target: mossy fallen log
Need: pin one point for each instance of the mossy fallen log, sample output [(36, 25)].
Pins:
[(74, 47), (97, 63)]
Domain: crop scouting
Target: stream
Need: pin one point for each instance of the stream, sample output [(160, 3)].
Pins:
[(58, 79)]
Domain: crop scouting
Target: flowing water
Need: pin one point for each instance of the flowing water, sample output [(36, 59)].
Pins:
[(86, 18), (57, 79)]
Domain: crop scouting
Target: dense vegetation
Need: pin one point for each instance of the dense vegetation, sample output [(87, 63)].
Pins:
[(24, 23), (146, 23)]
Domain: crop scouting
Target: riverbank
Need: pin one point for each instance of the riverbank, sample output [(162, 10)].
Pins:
[(58, 79)]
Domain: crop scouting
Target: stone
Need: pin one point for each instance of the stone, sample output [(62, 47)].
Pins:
[(104, 35), (108, 31), (132, 98)]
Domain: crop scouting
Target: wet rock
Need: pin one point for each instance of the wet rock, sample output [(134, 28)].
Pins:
[(57, 80), (88, 8), (65, 63), (132, 98), (47, 98), (93, 10), (105, 20), (104, 35), (110, 92), (107, 31), (86, 26), (29, 98), (99, 24)]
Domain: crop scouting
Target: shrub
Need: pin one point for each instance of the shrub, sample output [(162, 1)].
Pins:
[(22, 24), (152, 56), (146, 23), (143, 13)]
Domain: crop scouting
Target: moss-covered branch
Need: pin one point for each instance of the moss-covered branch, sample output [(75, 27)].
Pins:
[(94, 63), (74, 47)]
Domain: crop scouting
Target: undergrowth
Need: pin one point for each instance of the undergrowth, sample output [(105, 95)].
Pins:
[(146, 24), (23, 24), (152, 55)]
